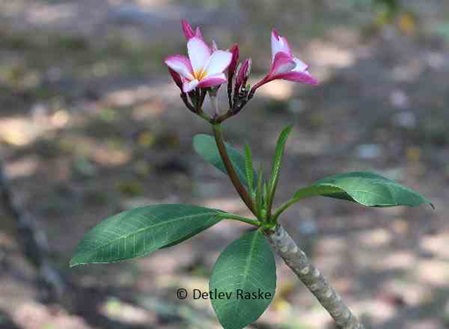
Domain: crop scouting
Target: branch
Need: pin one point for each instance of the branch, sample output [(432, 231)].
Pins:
[(318, 285), (241, 190)]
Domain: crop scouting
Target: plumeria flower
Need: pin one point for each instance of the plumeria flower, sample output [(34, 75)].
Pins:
[(203, 68), (284, 65)]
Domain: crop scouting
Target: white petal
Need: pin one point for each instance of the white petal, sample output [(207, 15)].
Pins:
[(214, 46), (218, 62), (279, 44), (189, 86), (199, 53), (300, 65), (180, 64)]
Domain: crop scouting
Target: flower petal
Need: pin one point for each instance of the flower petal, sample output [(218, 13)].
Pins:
[(302, 77), (188, 86), (234, 61), (243, 73), (218, 62), (198, 33), (279, 44), (181, 65), (282, 63), (300, 65), (214, 46), (187, 29), (199, 53), (212, 80)]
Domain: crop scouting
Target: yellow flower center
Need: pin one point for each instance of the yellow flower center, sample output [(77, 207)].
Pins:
[(199, 75)]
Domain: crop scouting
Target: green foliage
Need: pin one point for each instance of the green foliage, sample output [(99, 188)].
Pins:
[(246, 265), (206, 147), (259, 199), (277, 162), (365, 188), (249, 169), (140, 231)]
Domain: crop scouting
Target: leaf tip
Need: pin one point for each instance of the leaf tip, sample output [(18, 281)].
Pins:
[(73, 263)]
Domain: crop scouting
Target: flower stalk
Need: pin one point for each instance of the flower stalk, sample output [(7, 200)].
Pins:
[(241, 190)]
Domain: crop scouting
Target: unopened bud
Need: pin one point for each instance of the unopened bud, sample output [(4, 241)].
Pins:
[(234, 61), (243, 74), (176, 78), (189, 32)]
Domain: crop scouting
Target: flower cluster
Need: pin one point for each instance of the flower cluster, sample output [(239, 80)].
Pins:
[(206, 68)]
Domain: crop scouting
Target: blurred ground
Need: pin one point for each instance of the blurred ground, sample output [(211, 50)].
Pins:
[(90, 124)]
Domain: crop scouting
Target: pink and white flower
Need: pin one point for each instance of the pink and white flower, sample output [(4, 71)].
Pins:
[(203, 68), (284, 65)]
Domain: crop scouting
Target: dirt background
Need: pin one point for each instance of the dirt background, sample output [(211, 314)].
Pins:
[(90, 124)]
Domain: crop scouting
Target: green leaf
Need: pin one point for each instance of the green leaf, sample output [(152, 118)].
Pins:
[(246, 266), (138, 232), (259, 194), (249, 169), (365, 188), (206, 147), (277, 162)]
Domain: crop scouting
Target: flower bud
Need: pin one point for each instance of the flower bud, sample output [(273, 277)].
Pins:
[(176, 78), (243, 74), (189, 32), (234, 61)]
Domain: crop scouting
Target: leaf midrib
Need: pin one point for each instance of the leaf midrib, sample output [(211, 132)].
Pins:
[(247, 266)]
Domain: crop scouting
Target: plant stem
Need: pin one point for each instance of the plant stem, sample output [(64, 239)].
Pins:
[(241, 190), (300, 264), (241, 219), (283, 207)]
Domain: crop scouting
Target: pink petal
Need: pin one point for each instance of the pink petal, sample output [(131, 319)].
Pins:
[(243, 73), (275, 34), (218, 62), (282, 63), (198, 33), (235, 59), (212, 80), (188, 86), (279, 44), (189, 32), (181, 65), (302, 77), (187, 29), (199, 53)]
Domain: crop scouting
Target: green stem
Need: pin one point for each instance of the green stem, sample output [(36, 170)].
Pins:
[(241, 219), (283, 207), (241, 190)]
